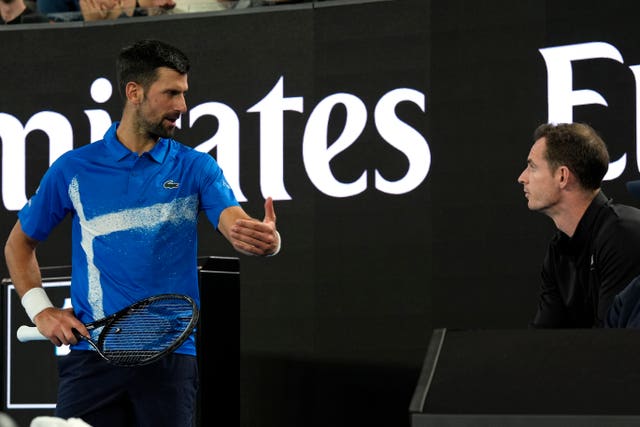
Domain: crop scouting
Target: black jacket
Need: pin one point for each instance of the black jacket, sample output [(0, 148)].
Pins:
[(581, 275)]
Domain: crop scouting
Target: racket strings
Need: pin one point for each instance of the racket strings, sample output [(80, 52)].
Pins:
[(146, 331)]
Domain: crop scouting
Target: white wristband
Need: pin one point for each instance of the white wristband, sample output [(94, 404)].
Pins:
[(279, 245), (34, 301)]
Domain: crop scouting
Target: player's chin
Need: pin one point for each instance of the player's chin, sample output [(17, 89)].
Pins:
[(170, 123), (170, 132), (166, 130), (537, 207)]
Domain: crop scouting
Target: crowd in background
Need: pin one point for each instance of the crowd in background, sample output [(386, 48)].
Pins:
[(51, 11)]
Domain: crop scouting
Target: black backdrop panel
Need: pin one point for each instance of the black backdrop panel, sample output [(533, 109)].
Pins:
[(528, 377), (538, 372), (364, 276)]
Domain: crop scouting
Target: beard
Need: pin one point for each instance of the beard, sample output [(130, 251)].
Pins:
[(160, 130), (164, 128)]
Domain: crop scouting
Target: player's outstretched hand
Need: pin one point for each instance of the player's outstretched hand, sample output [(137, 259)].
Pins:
[(253, 237)]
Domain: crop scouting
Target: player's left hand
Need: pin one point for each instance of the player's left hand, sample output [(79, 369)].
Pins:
[(253, 237)]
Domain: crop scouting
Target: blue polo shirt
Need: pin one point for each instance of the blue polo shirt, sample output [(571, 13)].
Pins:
[(134, 227)]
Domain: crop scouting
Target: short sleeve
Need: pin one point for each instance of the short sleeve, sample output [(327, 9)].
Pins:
[(215, 192), (48, 206)]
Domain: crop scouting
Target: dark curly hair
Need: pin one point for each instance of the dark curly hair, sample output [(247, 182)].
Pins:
[(139, 62)]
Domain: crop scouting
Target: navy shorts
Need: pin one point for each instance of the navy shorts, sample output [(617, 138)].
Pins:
[(162, 393)]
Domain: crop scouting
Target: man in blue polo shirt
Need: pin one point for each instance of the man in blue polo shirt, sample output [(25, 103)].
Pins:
[(134, 198)]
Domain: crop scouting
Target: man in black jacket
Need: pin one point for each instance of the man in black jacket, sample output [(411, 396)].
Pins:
[(595, 252)]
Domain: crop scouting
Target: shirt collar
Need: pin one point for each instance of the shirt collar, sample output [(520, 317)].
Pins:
[(583, 231), (158, 153), (160, 150)]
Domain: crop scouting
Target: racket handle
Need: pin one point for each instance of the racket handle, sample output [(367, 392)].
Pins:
[(29, 333)]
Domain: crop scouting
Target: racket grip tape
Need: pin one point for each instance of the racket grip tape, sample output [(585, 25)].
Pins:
[(29, 333)]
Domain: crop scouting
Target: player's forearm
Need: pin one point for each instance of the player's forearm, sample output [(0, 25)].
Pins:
[(20, 256)]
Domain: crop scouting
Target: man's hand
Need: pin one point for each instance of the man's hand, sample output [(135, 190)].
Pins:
[(253, 237), (57, 324), (97, 10)]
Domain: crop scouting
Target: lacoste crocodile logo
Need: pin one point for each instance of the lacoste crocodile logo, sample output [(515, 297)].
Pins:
[(171, 184)]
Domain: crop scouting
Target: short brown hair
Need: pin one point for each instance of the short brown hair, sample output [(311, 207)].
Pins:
[(578, 147)]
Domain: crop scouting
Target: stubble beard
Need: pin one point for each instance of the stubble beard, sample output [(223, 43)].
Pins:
[(155, 130), (160, 131)]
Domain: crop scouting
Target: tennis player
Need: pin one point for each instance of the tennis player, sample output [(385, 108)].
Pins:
[(134, 198)]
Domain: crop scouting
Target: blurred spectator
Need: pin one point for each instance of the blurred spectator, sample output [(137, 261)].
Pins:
[(46, 7), (155, 7), (238, 4), (17, 12), (215, 5), (97, 10), (276, 2), (185, 6)]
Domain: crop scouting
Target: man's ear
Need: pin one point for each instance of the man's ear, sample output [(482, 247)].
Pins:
[(564, 176), (134, 93)]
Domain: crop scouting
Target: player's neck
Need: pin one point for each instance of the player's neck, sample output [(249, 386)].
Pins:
[(132, 138), (568, 217)]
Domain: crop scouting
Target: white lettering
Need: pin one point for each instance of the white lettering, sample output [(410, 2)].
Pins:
[(99, 120), (271, 109), (13, 135), (226, 140), (317, 153), (403, 137), (561, 96), (635, 69)]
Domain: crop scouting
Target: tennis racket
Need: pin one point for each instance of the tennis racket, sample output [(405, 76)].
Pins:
[(138, 334)]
